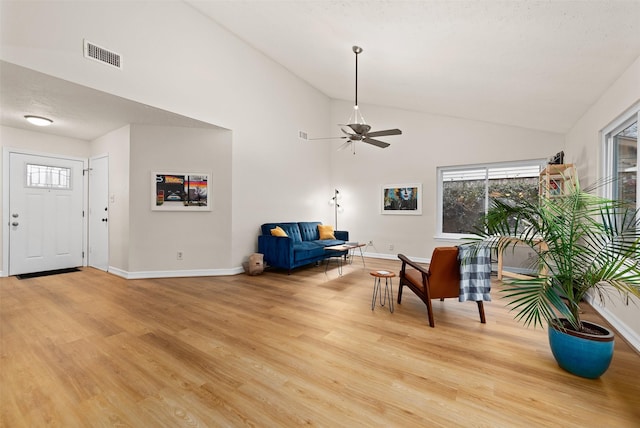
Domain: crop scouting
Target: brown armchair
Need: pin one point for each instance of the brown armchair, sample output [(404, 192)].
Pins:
[(440, 280)]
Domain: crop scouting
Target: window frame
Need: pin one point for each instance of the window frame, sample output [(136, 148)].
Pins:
[(609, 159), (441, 170)]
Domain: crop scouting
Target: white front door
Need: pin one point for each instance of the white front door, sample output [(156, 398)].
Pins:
[(99, 213), (45, 205)]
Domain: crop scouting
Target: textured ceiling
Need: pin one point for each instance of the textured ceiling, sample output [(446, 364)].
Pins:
[(79, 112), (534, 64)]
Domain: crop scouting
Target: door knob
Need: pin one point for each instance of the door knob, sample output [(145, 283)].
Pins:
[(15, 223)]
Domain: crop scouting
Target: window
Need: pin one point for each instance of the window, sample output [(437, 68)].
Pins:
[(621, 158), (48, 176), (465, 193)]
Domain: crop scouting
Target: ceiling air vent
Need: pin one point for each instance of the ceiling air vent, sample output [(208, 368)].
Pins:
[(95, 52)]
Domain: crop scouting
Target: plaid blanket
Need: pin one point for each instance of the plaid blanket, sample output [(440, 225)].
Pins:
[(475, 273)]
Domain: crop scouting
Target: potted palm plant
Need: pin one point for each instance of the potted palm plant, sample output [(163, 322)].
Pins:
[(585, 244)]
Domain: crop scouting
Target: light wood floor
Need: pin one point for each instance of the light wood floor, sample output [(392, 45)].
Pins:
[(90, 349)]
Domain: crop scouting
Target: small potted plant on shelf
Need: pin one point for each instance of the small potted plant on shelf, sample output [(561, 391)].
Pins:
[(585, 244)]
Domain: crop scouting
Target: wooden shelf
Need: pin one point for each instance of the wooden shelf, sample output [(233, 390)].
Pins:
[(556, 179)]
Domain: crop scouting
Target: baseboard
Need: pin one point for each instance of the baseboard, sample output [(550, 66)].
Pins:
[(175, 273), (630, 336), (393, 257)]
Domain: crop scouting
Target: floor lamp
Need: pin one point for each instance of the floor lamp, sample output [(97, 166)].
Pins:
[(334, 201)]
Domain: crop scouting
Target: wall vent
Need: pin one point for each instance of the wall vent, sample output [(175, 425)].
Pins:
[(97, 53)]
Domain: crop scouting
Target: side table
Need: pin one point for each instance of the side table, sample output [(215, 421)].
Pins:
[(352, 251), (377, 289)]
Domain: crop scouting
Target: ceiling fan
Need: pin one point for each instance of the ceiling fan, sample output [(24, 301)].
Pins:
[(357, 129)]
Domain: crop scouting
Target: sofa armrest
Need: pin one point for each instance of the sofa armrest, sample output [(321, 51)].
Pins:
[(277, 250), (342, 235)]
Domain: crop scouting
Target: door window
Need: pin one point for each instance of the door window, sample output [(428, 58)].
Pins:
[(48, 176)]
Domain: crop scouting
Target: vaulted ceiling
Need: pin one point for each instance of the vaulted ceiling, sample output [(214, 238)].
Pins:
[(534, 64)]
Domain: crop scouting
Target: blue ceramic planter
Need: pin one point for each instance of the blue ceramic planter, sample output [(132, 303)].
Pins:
[(582, 354)]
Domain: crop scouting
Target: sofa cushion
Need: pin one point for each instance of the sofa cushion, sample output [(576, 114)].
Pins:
[(309, 230), (326, 231), (291, 229), (278, 231), (328, 242), (307, 250)]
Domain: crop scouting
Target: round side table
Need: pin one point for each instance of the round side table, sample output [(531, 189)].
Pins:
[(388, 288)]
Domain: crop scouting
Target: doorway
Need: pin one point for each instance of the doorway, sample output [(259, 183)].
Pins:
[(46, 217), (98, 256)]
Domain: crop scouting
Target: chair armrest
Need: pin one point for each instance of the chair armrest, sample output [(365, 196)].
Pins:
[(406, 261)]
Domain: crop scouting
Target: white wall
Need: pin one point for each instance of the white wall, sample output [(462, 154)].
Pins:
[(583, 141), (117, 145), (427, 141), (203, 237), (42, 143), (584, 147), (176, 59)]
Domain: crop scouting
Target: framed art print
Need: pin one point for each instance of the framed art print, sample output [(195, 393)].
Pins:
[(402, 199), (180, 191)]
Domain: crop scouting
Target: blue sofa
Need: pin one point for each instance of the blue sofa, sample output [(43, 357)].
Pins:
[(300, 247)]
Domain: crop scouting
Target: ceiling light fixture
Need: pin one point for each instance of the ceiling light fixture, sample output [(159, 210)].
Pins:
[(38, 120)]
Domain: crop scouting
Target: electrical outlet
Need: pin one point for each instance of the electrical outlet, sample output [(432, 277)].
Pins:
[(390, 247), (179, 255)]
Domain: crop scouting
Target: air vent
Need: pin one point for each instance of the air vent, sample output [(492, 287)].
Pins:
[(97, 53)]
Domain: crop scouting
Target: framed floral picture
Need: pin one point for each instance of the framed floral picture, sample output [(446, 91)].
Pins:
[(180, 191), (402, 199)]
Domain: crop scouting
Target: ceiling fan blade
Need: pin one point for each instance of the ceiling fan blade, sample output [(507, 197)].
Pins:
[(328, 138), (377, 143), (345, 145), (385, 132), (346, 129)]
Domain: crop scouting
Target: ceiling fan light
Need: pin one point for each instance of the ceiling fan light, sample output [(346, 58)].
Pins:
[(38, 120)]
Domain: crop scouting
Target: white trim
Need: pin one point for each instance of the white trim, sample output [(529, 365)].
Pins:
[(5, 211), (632, 337), (395, 257), (174, 273), (606, 147), (622, 118)]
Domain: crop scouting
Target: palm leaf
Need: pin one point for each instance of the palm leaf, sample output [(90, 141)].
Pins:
[(591, 244)]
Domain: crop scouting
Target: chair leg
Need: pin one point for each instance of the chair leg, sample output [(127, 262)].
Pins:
[(481, 310), (430, 313), (400, 292)]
